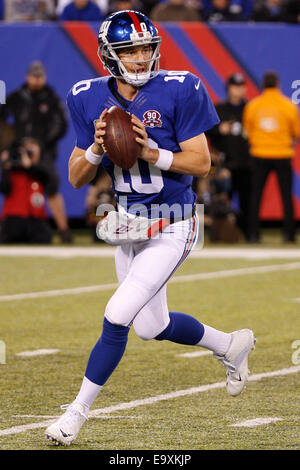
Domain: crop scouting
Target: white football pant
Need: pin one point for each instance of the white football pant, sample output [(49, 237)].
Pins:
[(143, 269)]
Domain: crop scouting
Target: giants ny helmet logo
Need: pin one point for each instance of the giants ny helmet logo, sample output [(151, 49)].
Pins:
[(152, 118)]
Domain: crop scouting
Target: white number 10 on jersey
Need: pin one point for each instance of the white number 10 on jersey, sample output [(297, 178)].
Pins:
[(136, 183)]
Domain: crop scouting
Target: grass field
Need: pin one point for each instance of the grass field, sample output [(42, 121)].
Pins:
[(33, 388)]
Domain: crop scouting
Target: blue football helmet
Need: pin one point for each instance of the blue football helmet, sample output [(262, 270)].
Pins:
[(125, 29)]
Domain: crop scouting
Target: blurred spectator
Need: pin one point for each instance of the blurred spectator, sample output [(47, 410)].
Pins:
[(103, 5), (1, 9), (61, 4), (119, 5), (228, 137), (24, 217), (272, 124), (99, 192), (244, 7), (29, 10), (146, 6), (174, 10), (223, 227), (291, 11), (223, 10), (214, 192), (269, 11), (37, 112), (81, 10)]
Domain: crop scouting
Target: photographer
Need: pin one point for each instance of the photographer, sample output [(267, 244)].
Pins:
[(35, 110), (229, 138), (99, 192), (24, 217)]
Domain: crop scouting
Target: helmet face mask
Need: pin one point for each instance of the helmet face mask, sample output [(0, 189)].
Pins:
[(124, 30)]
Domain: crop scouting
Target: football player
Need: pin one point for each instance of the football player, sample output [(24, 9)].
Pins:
[(171, 111)]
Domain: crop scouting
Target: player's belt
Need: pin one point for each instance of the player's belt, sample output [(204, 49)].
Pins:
[(117, 228), (184, 217)]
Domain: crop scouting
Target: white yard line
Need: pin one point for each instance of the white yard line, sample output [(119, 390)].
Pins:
[(109, 252), (174, 280), (44, 352), (58, 251), (57, 292), (236, 272), (251, 423), (37, 352), (151, 400), (246, 253), (100, 416), (195, 354)]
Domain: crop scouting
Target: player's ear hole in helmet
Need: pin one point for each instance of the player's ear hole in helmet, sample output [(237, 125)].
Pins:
[(126, 29)]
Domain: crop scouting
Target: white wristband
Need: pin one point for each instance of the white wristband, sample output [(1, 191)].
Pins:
[(92, 157), (165, 159)]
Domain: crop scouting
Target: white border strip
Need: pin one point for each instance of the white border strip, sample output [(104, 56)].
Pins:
[(174, 280), (151, 400)]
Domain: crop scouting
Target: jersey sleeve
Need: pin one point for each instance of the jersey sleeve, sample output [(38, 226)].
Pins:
[(83, 130), (195, 111)]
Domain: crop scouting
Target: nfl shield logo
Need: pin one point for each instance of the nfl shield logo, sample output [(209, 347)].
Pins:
[(152, 118)]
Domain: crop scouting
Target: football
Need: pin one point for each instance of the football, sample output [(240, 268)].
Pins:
[(119, 139)]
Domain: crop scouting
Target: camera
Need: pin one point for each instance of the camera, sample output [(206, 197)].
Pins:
[(13, 156), (15, 153)]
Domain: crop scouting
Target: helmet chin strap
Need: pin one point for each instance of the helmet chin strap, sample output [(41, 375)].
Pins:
[(136, 79)]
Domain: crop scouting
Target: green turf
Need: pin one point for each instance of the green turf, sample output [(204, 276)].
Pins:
[(270, 237), (72, 323)]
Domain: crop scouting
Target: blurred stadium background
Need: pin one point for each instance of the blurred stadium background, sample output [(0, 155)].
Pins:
[(213, 52)]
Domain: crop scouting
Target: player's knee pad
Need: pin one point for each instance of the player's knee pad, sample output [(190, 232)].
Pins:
[(127, 302), (146, 330), (114, 318), (118, 309), (143, 334)]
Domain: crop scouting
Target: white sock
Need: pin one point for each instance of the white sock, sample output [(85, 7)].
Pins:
[(215, 340), (88, 393)]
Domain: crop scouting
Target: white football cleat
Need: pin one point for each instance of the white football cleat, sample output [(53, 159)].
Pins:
[(236, 360), (65, 430)]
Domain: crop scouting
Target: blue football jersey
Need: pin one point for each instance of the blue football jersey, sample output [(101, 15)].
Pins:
[(174, 107)]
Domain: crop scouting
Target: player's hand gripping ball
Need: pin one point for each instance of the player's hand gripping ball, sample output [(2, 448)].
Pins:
[(119, 139)]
